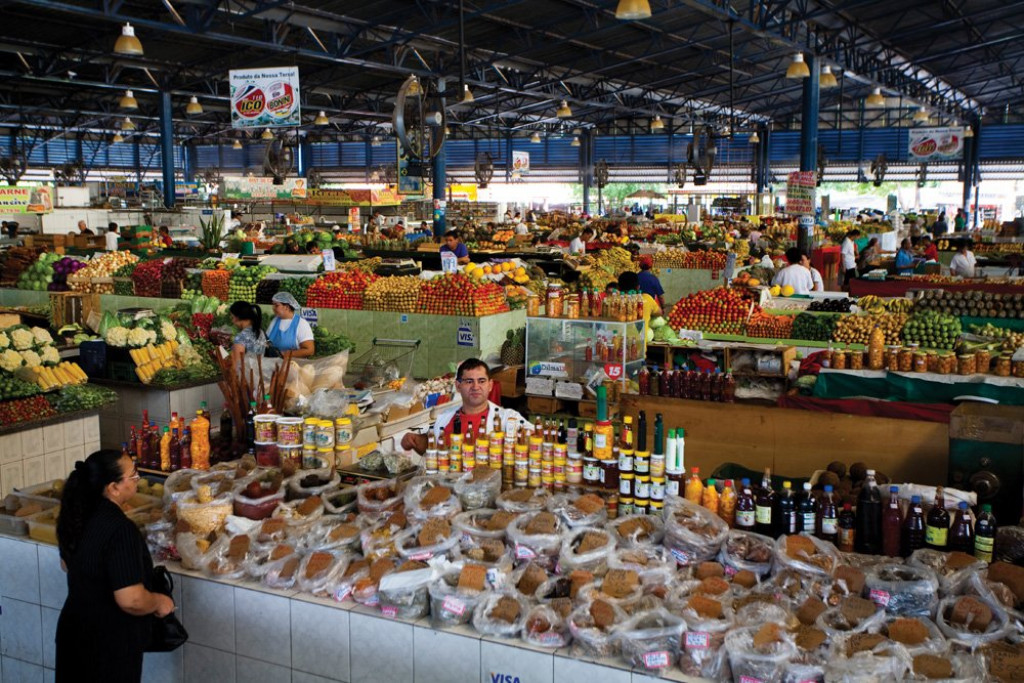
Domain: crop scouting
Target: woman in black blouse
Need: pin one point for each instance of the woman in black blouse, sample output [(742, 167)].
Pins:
[(106, 621)]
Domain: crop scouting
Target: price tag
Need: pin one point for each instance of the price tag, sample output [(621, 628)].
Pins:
[(656, 660), (524, 553), (373, 601), (550, 639), (750, 679), (697, 641), (613, 370), (681, 557), (419, 557), (389, 611), (880, 597), (342, 593), (449, 262), (453, 605), (730, 571), (329, 263)]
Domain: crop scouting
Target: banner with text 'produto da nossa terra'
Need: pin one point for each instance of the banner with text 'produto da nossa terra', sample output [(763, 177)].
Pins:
[(265, 98)]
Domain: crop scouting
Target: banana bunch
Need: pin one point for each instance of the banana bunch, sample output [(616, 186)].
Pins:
[(151, 359), (900, 305), (872, 304), (58, 376)]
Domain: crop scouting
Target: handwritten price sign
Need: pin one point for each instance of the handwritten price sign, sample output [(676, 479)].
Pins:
[(613, 370)]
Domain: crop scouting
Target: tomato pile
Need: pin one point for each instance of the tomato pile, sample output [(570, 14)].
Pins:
[(216, 283), (718, 311), (340, 289), (25, 410), (770, 326), (147, 277), (456, 294)]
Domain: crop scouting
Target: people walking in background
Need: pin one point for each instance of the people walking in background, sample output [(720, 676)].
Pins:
[(848, 256)]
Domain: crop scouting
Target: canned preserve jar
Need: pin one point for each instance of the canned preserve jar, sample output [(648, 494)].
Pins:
[(289, 431), (309, 431), (266, 428), (325, 434), (342, 431), (292, 453)]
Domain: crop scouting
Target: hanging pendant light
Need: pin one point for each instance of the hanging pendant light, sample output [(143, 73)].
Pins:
[(631, 10), (798, 67), (467, 94), (827, 79), (575, 142), (375, 141), (535, 138), (563, 110), (267, 135), (127, 43), (415, 89), (237, 144), (968, 132), (127, 124), (128, 101), (117, 138), (446, 131), (921, 116), (657, 123), (193, 108), (754, 138), (875, 99), (321, 119)]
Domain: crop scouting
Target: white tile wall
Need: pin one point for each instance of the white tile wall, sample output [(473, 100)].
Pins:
[(35, 470), (19, 571), (21, 625), (10, 448), (370, 661), (263, 627), (17, 671), (53, 438), (42, 454)]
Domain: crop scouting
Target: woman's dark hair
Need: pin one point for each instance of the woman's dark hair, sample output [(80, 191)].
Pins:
[(83, 491), (628, 282), (243, 310)]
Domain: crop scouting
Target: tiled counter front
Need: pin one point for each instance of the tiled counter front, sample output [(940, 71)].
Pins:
[(682, 282), (446, 339), (117, 419), (37, 454), (242, 632)]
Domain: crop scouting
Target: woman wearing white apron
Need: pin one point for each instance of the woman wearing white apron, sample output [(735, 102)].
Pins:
[(289, 333)]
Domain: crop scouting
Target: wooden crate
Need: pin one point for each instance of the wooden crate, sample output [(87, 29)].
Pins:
[(588, 409), (544, 404), (512, 381)]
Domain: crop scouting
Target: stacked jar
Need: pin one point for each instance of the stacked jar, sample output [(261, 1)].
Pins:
[(289, 439), (309, 430), (343, 442), (265, 443)]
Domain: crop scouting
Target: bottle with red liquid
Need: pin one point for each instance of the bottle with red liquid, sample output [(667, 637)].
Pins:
[(655, 383), (716, 386), (705, 386), (828, 517), (666, 380), (936, 529), (588, 352), (643, 380), (186, 449), (133, 447), (677, 383), (729, 388), (175, 451), (145, 459), (746, 514), (913, 536), (892, 524), (869, 517), (765, 506), (847, 529), (961, 535), (154, 449)]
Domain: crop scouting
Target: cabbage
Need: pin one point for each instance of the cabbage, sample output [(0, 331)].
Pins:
[(658, 322), (650, 335), (108, 321)]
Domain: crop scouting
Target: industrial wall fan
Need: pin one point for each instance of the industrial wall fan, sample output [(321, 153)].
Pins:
[(314, 178), (13, 166), (71, 174), (700, 154), (278, 160), (601, 174), (483, 168), (922, 174), (822, 163), (878, 168), (419, 121)]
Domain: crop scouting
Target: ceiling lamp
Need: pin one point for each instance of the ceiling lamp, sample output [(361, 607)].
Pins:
[(127, 43), (575, 142), (827, 79), (754, 138), (127, 124), (921, 116), (968, 132), (875, 99), (798, 67), (375, 141), (128, 101), (193, 108), (631, 10), (563, 110), (267, 135), (657, 123), (446, 131), (467, 94), (415, 89), (117, 138), (237, 144), (535, 138), (321, 119)]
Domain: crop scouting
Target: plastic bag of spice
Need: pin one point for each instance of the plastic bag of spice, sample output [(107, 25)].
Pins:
[(340, 501), (637, 530), (952, 569), (885, 661), (501, 614), (376, 500), (475, 526), (587, 549), (478, 488), (903, 589), (918, 635), (759, 652), (592, 625), (435, 538), (536, 537), (545, 627), (282, 573), (306, 483), (576, 511), (431, 497), (747, 550), (805, 554), (452, 600), (838, 621), (227, 557), (334, 532), (972, 621), (702, 653), (404, 594), (319, 568), (654, 565), (651, 640), (523, 500), (693, 534)]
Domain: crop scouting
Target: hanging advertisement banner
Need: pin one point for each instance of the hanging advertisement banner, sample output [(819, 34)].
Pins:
[(263, 188), (521, 162), (463, 192), (407, 183), (800, 192), (935, 144), (28, 199), (356, 197), (265, 98)]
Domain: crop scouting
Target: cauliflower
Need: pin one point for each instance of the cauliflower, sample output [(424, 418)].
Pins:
[(167, 331), (10, 360), (42, 336), (139, 337), (117, 336), (32, 359), (22, 339), (5, 341), (50, 355)]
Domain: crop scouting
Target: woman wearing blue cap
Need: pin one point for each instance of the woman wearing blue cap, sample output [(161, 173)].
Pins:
[(289, 333)]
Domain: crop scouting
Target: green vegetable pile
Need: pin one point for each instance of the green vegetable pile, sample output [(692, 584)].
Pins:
[(297, 287), (328, 343), (124, 287), (932, 330), (814, 327), (11, 387), (82, 397), (243, 283), (200, 372)]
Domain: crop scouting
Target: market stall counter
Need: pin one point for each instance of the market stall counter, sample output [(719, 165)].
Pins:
[(899, 288), (44, 449), (918, 387)]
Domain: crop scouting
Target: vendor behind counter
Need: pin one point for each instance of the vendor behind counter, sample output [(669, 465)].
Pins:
[(289, 333)]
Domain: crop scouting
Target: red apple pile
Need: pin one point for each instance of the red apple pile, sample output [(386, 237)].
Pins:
[(457, 294), (717, 311), (341, 289)]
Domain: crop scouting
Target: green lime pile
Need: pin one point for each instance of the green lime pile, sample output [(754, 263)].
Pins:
[(932, 330), (244, 280)]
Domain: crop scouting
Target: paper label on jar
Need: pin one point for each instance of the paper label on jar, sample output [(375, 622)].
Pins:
[(744, 519), (656, 660), (763, 514), (524, 553), (880, 597), (453, 605), (697, 641), (389, 611), (419, 557), (750, 679)]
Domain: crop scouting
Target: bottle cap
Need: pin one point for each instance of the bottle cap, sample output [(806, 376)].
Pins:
[(711, 483), (871, 473), (807, 486), (986, 508), (745, 481), (894, 489), (671, 433), (963, 505), (680, 432), (787, 485), (695, 470), (916, 500), (828, 488), (847, 506)]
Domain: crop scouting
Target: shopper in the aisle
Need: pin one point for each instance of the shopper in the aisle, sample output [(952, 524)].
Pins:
[(289, 333), (960, 222), (473, 382), (251, 339), (649, 282), (83, 229), (106, 621), (111, 237), (453, 243), (848, 256), (963, 262), (165, 237), (870, 253), (796, 274), (905, 258), (941, 227), (630, 282), (929, 250)]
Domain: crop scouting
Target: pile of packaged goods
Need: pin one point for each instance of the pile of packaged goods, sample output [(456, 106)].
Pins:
[(727, 583)]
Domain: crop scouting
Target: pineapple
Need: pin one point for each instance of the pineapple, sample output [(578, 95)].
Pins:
[(513, 349)]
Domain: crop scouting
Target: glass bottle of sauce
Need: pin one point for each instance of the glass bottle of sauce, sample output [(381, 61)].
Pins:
[(745, 513), (828, 517), (788, 518), (709, 497), (727, 503), (961, 535), (985, 534), (913, 536), (643, 379), (807, 511), (936, 533), (765, 506), (892, 523), (847, 529), (869, 517), (694, 488)]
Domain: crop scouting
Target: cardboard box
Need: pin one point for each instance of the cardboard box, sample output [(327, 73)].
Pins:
[(985, 422), (543, 404), (512, 381)]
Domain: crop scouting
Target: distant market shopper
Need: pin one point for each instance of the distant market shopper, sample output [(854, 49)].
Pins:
[(848, 256), (796, 274), (963, 263), (578, 245), (111, 237), (453, 243), (649, 282), (289, 333)]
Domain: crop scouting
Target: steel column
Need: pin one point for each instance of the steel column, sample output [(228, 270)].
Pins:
[(304, 151), (586, 167), (809, 138), (167, 148), (440, 198)]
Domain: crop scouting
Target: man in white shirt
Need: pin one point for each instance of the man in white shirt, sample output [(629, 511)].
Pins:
[(963, 262), (848, 257), (111, 237), (796, 274), (579, 244)]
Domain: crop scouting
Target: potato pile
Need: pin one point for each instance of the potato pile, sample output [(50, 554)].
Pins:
[(398, 294), (856, 329)]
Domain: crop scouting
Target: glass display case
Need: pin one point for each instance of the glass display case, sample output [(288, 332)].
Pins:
[(570, 348)]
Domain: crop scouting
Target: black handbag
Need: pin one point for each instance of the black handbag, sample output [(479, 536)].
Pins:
[(167, 633)]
